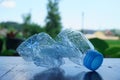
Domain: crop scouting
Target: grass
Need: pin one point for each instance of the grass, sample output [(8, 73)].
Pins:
[(114, 48), (113, 43), (109, 48)]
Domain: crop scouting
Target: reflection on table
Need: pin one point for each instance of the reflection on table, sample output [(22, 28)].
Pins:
[(59, 74)]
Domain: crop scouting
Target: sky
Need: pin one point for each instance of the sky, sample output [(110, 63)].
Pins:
[(75, 14)]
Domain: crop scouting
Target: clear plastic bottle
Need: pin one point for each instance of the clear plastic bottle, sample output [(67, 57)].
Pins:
[(47, 52), (87, 55), (40, 49)]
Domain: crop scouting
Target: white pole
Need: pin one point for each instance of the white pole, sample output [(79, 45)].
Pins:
[(82, 26)]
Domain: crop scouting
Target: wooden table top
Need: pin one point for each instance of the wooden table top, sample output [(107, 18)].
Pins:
[(15, 68)]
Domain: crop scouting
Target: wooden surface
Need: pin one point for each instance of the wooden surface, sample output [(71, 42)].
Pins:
[(15, 68)]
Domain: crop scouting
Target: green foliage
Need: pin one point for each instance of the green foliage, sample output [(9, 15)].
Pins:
[(109, 48), (11, 25), (53, 20), (113, 43), (27, 28), (1, 45), (112, 52), (114, 49), (30, 28), (27, 18), (8, 53), (99, 44)]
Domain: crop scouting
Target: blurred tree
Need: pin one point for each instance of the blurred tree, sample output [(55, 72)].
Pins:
[(53, 20), (27, 18), (9, 24), (30, 28)]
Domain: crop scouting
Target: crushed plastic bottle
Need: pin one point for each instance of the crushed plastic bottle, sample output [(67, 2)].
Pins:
[(41, 49), (47, 52), (86, 55)]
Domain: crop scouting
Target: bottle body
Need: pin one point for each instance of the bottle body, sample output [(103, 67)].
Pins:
[(86, 54), (47, 52), (78, 41), (40, 49)]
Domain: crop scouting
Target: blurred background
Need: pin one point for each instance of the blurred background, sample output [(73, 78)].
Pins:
[(98, 20)]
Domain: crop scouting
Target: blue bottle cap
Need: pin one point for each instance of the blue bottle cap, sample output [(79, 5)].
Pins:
[(93, 59)]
